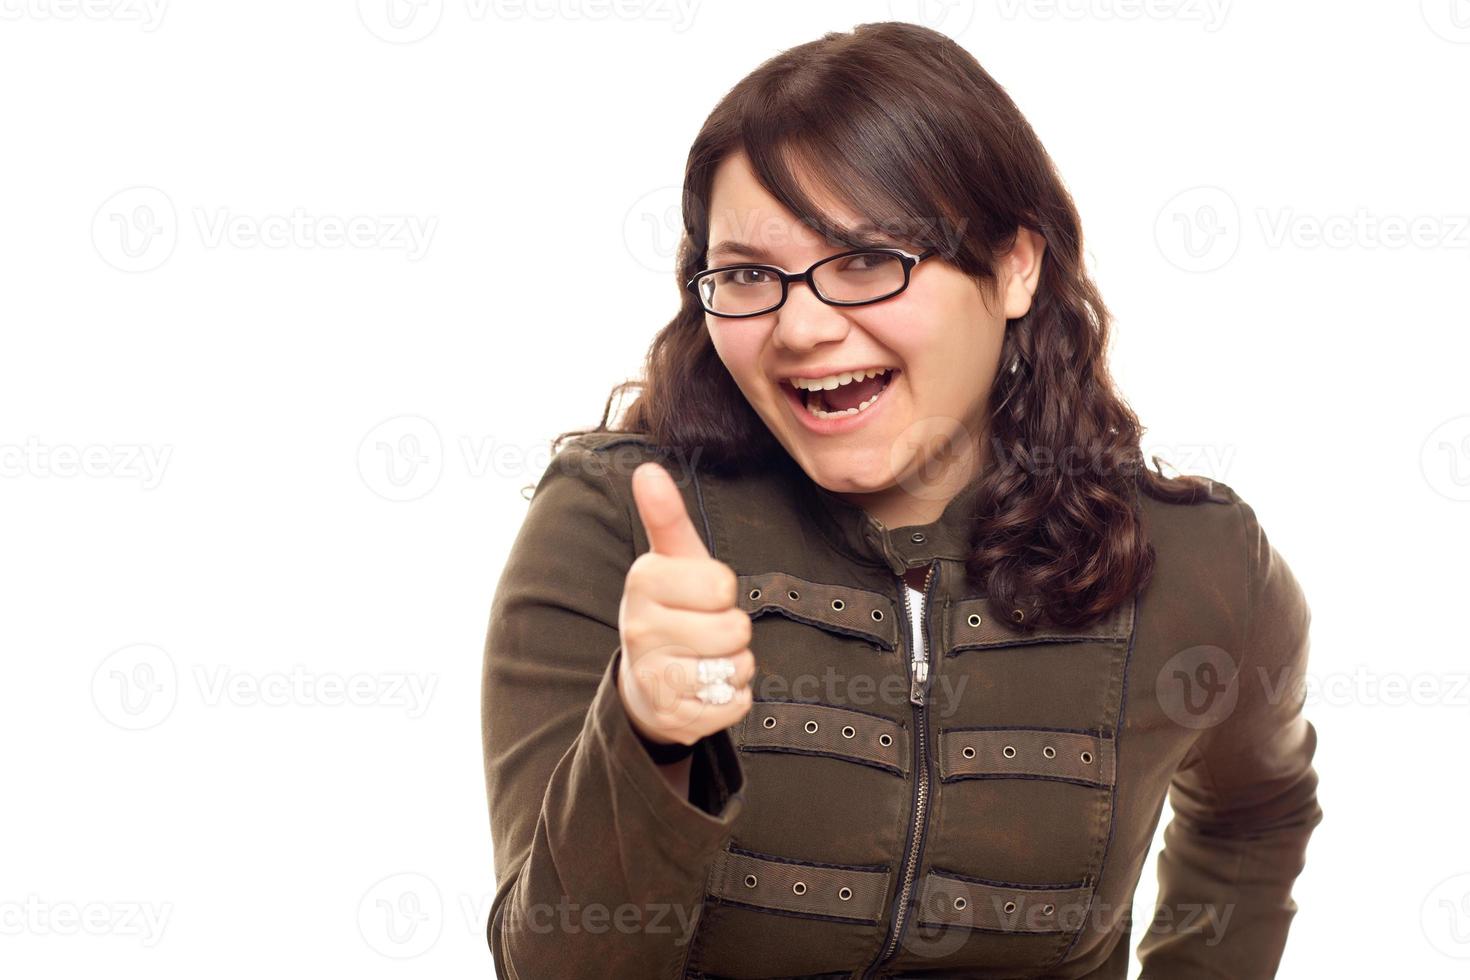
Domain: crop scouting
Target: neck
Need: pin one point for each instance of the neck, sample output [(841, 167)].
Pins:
[(921, 496)]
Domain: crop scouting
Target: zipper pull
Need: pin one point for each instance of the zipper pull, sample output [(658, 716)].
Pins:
[(919, 673)]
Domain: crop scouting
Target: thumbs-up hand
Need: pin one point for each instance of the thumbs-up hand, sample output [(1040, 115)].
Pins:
[(679, 607)]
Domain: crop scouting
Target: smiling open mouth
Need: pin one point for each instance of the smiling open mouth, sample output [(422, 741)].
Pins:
[(847, 398)]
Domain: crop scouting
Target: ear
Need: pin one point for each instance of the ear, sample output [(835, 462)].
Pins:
[(1020, 271)]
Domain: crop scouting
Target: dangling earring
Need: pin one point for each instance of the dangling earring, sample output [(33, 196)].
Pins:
[(1015, 363)]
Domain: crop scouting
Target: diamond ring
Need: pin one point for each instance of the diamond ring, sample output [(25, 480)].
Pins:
[(714, 669), (717, 692)]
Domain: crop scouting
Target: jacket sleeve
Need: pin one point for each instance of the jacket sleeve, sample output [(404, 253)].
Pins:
[(600, 864), (1244, 798)]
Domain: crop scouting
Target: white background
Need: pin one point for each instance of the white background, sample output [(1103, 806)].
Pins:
[(259, 481)]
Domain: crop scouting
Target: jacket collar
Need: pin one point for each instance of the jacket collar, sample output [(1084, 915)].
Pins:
[(852, 531)]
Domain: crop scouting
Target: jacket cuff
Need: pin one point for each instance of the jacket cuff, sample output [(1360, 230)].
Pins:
[(614, 833), (716, 779)]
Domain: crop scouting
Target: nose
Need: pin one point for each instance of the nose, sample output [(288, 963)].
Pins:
[(804, 321)]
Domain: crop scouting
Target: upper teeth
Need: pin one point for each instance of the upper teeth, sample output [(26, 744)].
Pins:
[(835, 380)]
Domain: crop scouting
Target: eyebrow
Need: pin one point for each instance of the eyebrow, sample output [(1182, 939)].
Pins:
[(865, 233)]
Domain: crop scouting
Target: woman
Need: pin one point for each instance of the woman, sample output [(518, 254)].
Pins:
[(866, 645)]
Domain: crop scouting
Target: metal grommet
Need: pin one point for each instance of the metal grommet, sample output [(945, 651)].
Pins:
[(848, 731), (885, 739), (769, 721), (917, 537), (844, 893), (1010, 907), (811, 727), (1087, 758), (968, 751), (838, 605), (799, 888), (755, 593), (1049, 752), (1009, 751), (1018, 615), (750, 881), (877, 615), (973, 619), (960, 903), (793, 594), (1048, 909)]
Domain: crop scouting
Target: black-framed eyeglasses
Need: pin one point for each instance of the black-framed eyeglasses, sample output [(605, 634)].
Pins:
[(854, 278)]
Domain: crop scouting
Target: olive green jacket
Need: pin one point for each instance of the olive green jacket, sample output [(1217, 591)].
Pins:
[(991, 821)]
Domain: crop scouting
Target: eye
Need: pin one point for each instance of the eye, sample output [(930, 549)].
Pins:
[(868, 260), (743, 276), (868, 263), (751, 277)]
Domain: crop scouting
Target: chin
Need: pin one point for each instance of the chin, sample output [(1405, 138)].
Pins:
[(852, 476)]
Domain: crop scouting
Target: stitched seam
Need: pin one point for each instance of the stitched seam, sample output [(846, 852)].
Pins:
[(975, 880), (734, 848), (958, 777), (1112, 641), (796, 915), (612, 491), (1102, 863), (1200, 747), (994, 932), (703, 513), (791, 750), (1091, 732), (837, 707), (1238, 847)]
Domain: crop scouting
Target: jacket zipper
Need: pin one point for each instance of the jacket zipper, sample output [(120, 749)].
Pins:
[(918, 685)]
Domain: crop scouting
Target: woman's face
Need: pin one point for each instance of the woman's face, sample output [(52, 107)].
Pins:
[(903, 457)]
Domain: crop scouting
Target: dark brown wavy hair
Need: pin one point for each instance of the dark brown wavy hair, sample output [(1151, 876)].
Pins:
[(903, 126)]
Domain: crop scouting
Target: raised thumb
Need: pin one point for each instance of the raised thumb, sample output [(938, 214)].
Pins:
[(661, 509)]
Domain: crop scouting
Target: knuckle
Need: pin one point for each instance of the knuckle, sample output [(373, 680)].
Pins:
[(728, 583), (741, 628), (637, 633), (639, 573)]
